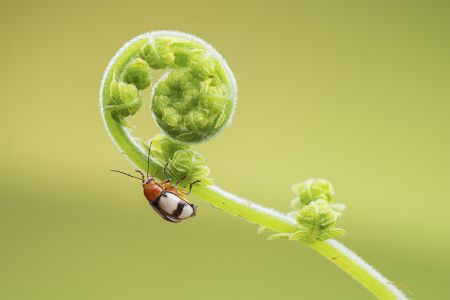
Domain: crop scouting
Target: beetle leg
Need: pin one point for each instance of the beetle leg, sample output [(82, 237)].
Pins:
[(180, 180), (165, 169), (192, 184)]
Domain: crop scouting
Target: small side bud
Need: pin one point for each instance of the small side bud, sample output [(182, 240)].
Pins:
[(159, 52), (171, 118), (311, 190), (179, 162), (316, 214), (124, 98), (137, 73), (317, 221), (202, 66)]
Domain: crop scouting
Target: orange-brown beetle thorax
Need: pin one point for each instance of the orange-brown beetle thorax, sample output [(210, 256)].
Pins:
[(152, 191)]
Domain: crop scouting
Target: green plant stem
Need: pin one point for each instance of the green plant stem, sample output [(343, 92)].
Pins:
[(332, 250)]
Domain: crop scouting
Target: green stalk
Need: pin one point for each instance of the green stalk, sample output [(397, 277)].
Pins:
[(134, 150), (254, 213)]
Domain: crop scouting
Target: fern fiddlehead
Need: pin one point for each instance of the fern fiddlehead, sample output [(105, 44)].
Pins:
[(191, 103)]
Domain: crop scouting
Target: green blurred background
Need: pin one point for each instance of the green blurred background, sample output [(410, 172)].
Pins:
[(353, 91)]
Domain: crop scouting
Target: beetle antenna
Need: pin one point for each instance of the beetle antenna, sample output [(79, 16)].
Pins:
[(142, 175), (117, 171), (148, 156)]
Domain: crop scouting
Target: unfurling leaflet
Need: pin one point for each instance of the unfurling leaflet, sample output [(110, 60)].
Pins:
[(191, 102), (179, 162), (316, 215)]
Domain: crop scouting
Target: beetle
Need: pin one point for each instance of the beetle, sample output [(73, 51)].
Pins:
[(166, 199)]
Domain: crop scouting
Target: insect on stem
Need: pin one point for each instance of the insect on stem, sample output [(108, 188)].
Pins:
[(148, 156)]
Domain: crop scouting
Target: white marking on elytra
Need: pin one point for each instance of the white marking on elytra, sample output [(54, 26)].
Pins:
[(187, 212), (169, 202)]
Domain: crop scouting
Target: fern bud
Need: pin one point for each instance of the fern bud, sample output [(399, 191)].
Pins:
[(137, 73), (179, 162), (311, 190), (125, 99), (194, 100)]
